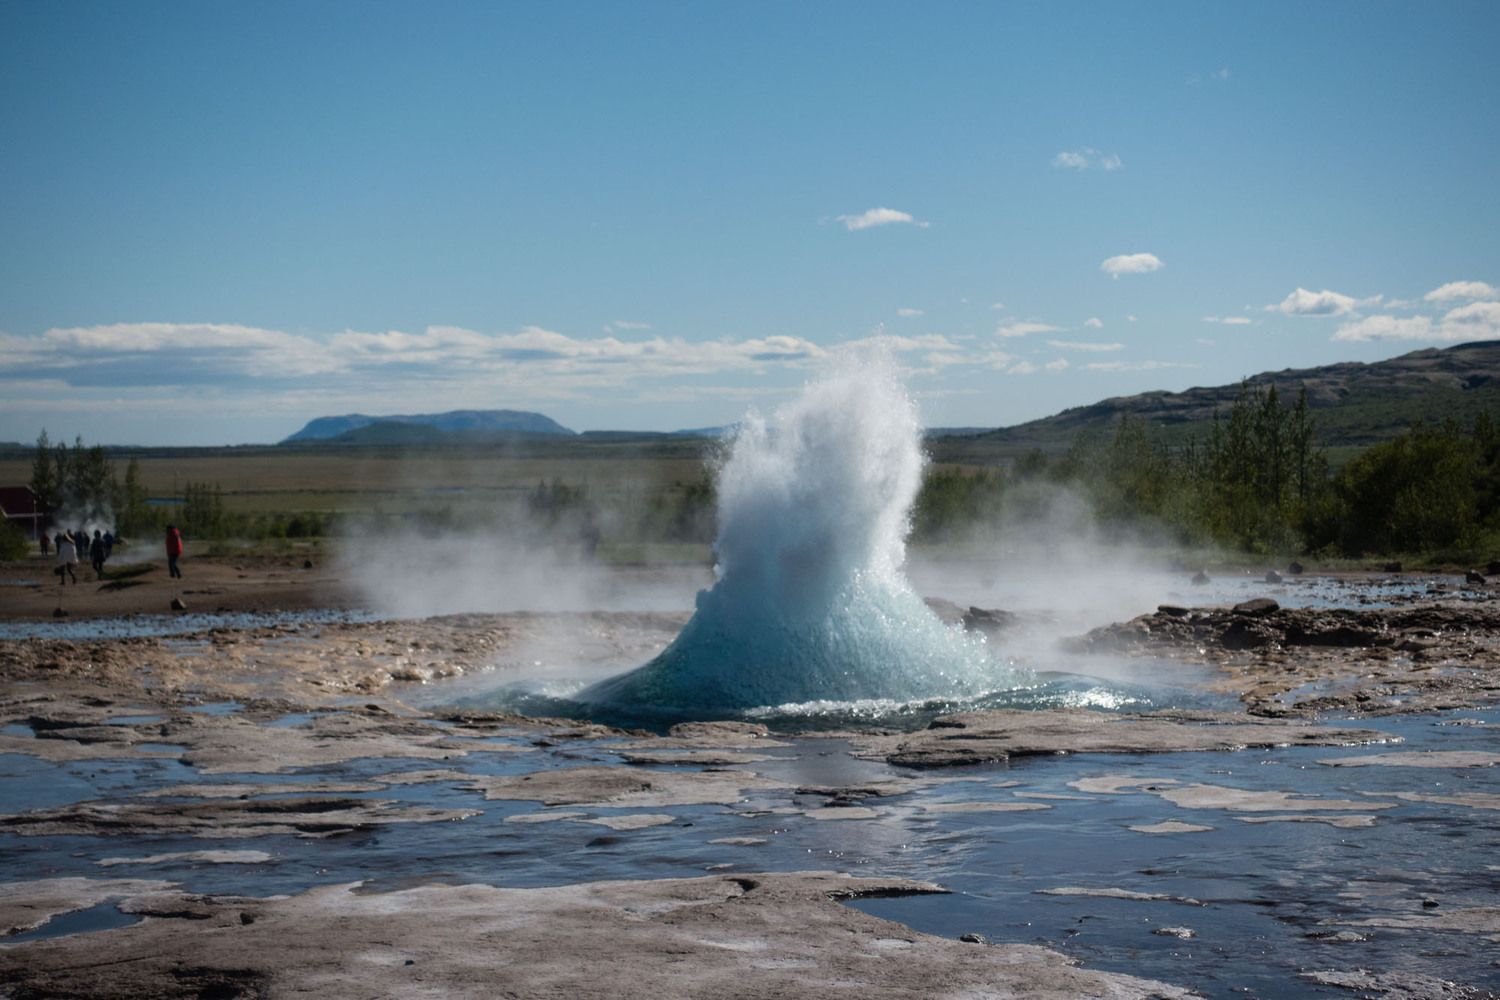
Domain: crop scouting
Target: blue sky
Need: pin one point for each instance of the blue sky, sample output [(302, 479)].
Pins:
[(219, 221)]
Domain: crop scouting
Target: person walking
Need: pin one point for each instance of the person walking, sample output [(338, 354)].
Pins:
[(174, 549), (97, 554), (67, 558)]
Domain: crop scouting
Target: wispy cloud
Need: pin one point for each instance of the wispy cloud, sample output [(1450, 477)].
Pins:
[(1095, 322), (878, 217), (1022, 368), (1324, 303), (908, 313), (1228, 320), (1087, 159), (1075, 345), (1455, 290), (1134, 366), (625, 324), (1012, 328), (1056, 366), (1131, 263), (1476, 321)]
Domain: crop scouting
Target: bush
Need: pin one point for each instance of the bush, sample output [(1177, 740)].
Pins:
[(14, 544)]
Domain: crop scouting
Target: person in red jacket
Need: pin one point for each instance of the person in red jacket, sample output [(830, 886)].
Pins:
[(174, 549)]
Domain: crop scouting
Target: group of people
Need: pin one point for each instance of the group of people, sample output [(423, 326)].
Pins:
[(76, 544)]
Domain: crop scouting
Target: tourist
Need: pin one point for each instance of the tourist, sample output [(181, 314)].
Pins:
[(46, 543), (67, 557), (97, 554), (174, 549)]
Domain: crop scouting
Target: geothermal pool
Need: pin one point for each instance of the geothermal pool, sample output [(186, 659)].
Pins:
[(1311, 866)]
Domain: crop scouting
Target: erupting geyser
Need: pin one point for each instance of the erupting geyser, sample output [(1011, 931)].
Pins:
[(811, 605)]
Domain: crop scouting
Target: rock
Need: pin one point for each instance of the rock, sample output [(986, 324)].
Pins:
[(973, 938), (1273, 577), (1200, 577), (1257, 606), (59, 613), (307, 564), (1173, 610), (987, 621), (628, 940), (1474, 576), (177, 604), (1177, 932), (1392, 567), (1295, 568), (1493, 569), (950, 613), (967, 738)]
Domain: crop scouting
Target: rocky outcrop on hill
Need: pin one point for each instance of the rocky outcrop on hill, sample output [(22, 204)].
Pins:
[(1433, 372)]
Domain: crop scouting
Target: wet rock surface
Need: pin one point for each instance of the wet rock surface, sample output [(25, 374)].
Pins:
[(205, 767), (967, 738), (1310, 661), (747, 935)]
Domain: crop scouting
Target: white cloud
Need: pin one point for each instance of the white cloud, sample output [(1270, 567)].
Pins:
[(624, 324), (1228, 320), (1094, 321), (1131, 263), (1324, 303), (1475, 321), (1130, 319), (1023, 368), (1021, 329), (1387, 328), (908, 313), (998, 305), (1056, 366), (877, 217), (1463, 290), (1086, 158), (1074, 345)]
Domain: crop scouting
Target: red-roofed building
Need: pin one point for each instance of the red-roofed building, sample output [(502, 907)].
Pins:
[(19, 505)]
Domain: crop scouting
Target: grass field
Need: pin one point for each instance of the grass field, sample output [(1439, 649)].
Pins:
[(275, 481)]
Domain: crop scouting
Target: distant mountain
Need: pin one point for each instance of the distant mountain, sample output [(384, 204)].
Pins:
[(324, 428), (1354, 404)]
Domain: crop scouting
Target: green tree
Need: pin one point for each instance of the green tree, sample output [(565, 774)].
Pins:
[(44, 474), (131, 516), (1413, 493)]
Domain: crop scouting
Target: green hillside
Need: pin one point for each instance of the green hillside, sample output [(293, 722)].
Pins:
[(1354, 405)]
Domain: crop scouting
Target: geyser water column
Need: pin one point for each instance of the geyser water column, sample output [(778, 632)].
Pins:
[(811, 604)]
